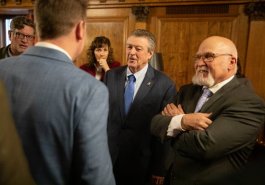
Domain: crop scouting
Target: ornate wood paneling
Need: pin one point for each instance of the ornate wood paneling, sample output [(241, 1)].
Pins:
[(114, 24), (179, 36), (255, 65)]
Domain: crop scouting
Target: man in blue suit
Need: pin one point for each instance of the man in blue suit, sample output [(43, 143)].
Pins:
[(60, 112), (132, 148)]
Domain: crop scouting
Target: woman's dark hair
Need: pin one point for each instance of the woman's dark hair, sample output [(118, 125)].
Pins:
[(98, 42)]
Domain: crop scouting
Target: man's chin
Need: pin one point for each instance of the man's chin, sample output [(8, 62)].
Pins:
[(202, 81)]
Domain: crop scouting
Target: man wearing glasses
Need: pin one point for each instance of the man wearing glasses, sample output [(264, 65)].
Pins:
[(21, 35), (214, 123)]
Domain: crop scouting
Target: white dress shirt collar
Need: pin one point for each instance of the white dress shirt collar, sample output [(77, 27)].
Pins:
[(218, 86), (139, 76), (53, 46)]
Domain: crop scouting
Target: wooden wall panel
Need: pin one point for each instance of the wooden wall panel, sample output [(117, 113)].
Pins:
[(112, 23), (178, 38), (255, 65)]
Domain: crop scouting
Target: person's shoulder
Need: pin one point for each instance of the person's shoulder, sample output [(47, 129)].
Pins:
[(88, 68), (84, 80), (117, 69), (162, 75), (114, 64), (4, 48), (3, 52), (245, 81)]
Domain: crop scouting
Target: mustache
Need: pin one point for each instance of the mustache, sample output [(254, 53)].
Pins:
[(202, 69)]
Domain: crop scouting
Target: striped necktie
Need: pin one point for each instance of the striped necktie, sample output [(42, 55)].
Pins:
[(204, 97), (129, 92)]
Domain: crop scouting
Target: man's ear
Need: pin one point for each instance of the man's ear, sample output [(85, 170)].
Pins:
[(80, 30), (151, 54), (233, 63)]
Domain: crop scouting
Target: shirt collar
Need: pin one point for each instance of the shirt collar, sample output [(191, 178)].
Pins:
[(138, 74), (218, 86), (53, 46)]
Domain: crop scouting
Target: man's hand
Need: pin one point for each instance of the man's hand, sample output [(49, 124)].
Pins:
[(172, 110), (157, 180), (196, 121)]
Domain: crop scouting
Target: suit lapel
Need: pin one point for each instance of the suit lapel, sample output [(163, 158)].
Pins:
[(228, 88), (121, 79), (184, 97), (144, 89)]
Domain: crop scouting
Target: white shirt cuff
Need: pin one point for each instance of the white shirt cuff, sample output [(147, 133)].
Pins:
[(175, 126)]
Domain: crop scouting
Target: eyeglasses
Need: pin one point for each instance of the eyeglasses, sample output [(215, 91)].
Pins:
[(209, 57), (21, 36)]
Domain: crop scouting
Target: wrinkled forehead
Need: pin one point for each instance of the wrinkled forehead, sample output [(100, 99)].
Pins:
[(137, 41)]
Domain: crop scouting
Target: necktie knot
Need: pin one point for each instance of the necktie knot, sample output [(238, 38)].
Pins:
[(206, 93), (204, 97), (131, 78)]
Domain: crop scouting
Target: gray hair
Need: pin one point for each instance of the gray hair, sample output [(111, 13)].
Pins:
[(148, 35)]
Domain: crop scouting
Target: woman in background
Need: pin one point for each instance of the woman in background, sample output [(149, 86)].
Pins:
[(100, 58)]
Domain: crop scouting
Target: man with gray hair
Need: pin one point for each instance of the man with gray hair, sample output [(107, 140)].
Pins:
[(21, 35), (137, 93), (60, 112)]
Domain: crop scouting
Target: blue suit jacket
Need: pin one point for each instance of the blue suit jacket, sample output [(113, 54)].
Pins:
[(131, 146), (60, 113)]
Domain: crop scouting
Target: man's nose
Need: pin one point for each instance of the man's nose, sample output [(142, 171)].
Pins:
[(133, 50), (200, 62)]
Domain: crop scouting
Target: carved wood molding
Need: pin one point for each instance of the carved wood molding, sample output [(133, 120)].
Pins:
[(141, 12), (153, 3), (3, 2), (256, 11), (18, 2)]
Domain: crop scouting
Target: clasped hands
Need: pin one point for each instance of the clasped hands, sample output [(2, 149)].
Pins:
[(191, 121)]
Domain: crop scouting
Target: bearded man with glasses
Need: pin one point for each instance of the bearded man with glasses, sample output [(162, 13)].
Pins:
[(21, 35), (214, 122)]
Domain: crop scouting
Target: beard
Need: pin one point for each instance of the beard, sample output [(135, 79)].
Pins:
[(199, 79)]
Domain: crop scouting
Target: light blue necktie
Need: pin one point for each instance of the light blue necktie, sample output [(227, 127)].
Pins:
[(204, 97), (128, 94)]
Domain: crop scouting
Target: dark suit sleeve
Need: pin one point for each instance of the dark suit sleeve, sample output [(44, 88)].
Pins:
[(159, 126), (14, 168), (236, 122), (162, 150), (170, 95)]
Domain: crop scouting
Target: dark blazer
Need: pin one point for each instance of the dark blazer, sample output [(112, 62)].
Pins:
[(130, 142), (202, 157), (4, 52), (13, 164)]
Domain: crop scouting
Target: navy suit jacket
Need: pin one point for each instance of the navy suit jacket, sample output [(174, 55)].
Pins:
[(204, 157), (61, 117), (129, 136)]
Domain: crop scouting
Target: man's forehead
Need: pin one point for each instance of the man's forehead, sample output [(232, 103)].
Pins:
[(137, 41), (25, 30)]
